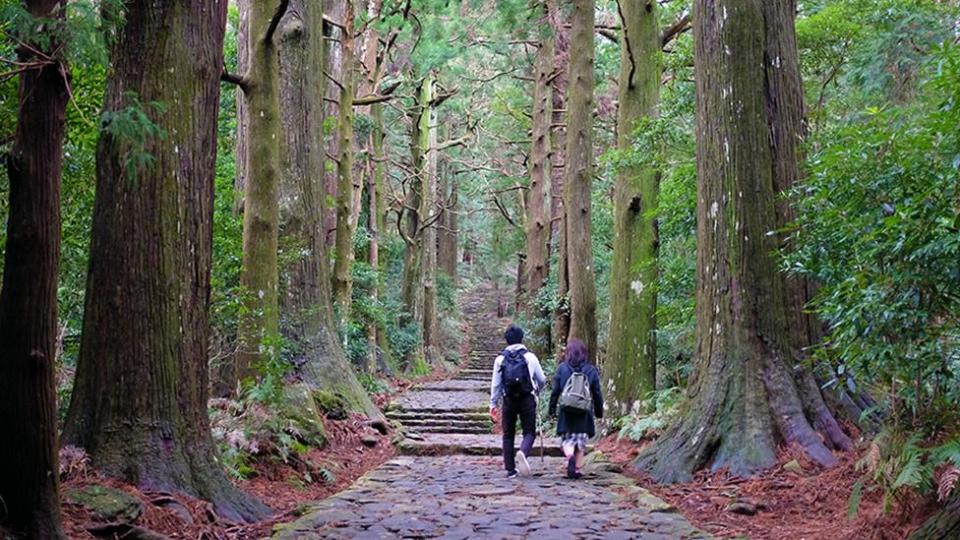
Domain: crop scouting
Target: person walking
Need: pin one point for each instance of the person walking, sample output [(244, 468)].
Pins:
[(517, 379), (578, 396)]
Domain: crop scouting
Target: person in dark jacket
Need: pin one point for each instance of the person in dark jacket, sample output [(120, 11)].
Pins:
[(575, 427)]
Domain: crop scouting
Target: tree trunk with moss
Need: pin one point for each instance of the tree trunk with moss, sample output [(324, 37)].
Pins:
[(346, 191), (139, 405), (447, 233), (415, 215), (787, 127), (558, 130), (538, 217), (29, 485), (305, 301), (378, 219), (428, 209), (579, 178), (630, 367), (259, 326), (743, 398)]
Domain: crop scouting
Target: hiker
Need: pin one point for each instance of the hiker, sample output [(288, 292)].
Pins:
[(517, 379), (576, 389)]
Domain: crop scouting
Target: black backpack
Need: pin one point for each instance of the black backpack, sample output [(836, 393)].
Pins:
[(515, 373)]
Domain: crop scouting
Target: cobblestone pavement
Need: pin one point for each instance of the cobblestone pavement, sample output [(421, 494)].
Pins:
[(450, 483), (460, 497)]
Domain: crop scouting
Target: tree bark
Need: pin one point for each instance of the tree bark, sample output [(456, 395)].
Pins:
[(346, 191), (428, 209), (260, 274), (538, 220), (306, 300), (579, 178), (139, 405), (557, 243), (743, 398), (787, 131), (630, 367), (448, 235), (415, 213), (29, 485)]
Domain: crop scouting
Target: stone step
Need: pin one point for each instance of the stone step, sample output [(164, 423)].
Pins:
[(461, 416), (451, 430), (447, 422), (440, 444), (456, 385), (441, 401)]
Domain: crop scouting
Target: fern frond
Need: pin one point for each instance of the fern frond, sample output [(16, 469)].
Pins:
[(946, 482)]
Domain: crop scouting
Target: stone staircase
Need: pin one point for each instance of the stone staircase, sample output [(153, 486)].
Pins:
[(449, 484), (451, 417)]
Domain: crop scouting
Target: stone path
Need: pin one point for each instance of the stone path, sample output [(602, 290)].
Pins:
[(449, 481)]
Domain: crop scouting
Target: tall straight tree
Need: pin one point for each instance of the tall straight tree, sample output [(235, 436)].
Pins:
[(557, 243), (630, 367), (578, 178), (304, 278), (346, 190), (743, 397), (537, 204), (29, 486), (260, 273), (139, 405)]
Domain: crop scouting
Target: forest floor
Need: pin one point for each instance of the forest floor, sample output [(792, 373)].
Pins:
[(280, 485), (793, 500)]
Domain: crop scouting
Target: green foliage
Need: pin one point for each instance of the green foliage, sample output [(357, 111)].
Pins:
[(133, 129), (902, 468), (879, 229), (663, 406)]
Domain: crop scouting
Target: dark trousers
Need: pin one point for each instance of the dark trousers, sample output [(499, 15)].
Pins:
[(526, 408)]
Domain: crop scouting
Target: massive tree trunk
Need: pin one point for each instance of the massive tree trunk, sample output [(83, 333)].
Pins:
[(346, 191), (630, 367), (579, 178), (259, 276), (743, 398), (139, 405), (305, 284), (29, 485), (785, 119), (538, 220)]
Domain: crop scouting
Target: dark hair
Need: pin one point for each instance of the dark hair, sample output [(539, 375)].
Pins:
[(513, 335), (575, 355)]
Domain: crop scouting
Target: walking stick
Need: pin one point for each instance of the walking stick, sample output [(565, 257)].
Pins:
[(540, 430)]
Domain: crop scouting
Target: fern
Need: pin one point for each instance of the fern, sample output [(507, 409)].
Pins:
[(853, 505)]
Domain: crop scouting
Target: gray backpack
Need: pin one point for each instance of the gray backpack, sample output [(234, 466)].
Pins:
[(576, 394)]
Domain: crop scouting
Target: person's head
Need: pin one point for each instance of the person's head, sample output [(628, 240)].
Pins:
[(513, 335), (575, 353)]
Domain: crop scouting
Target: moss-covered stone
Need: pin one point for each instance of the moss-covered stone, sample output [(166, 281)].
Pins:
[(330, 404), (300, 408), (107, 504)]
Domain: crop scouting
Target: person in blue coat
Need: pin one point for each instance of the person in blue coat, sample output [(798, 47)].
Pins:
[(575, 427)]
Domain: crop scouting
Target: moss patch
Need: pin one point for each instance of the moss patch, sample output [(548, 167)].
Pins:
[(107, 504)]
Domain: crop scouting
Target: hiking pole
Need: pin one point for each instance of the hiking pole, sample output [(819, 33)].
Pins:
[(540, 430)]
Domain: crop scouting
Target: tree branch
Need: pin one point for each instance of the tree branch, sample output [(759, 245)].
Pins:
[(241, 82), (682, 25), (275, 21)]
